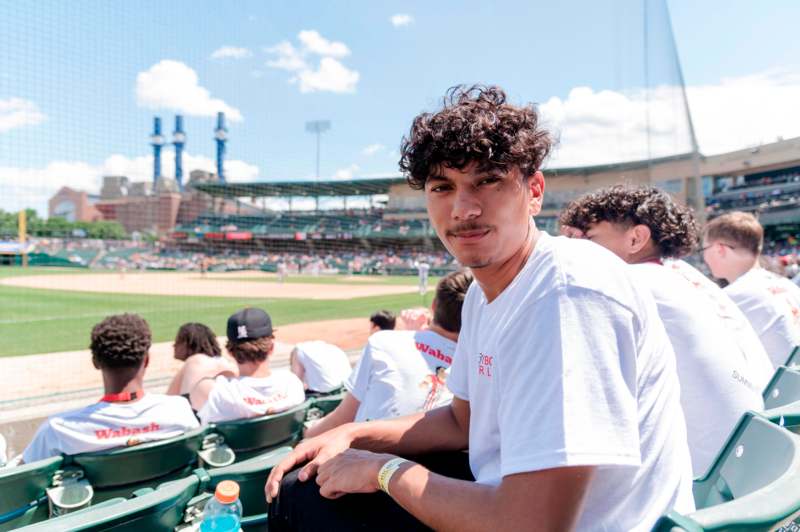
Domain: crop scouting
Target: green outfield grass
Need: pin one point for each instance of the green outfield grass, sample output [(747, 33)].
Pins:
[(42, 321)]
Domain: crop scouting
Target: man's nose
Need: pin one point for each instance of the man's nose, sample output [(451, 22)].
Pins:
[(466, 206)]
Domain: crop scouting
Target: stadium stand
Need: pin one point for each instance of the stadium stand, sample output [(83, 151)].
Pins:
[(783, 389), (176, 503), (754, 484)]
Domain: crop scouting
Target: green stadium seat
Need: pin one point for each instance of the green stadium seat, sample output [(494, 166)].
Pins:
[(793, 361), (22, 492), (249, 437), (783, 388), (176, 502), (754, 483), (118, 472), (325, 404)]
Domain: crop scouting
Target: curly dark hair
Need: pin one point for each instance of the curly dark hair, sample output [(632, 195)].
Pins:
[(120, 341), (198, 338), (475, 125), (672, 226), (256, 350)]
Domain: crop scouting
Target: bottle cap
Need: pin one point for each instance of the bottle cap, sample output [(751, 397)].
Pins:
[(227, 491)]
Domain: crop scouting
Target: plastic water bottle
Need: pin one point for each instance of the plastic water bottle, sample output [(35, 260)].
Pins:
[(223, 512)]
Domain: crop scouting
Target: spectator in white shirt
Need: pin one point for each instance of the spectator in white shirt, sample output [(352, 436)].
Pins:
[(322, 366), (720, 380), (258, 390), (125, 415), (196, 345), (403, 372), (732, 246), (565, 388)]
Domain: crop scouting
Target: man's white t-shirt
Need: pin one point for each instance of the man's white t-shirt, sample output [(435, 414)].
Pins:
[(326, 365), (772, 304), (401, 373), (245, 397), (106, 425), (570, 366), (717, 386), (733, 319)]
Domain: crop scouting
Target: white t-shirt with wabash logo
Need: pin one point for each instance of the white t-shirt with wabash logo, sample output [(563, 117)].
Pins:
[(570, 366), (245, 397), (736, 324), (772, 304), (106, 425), (401, 373), (717, 384)]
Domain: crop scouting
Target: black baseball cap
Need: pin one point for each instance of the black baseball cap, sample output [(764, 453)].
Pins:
[(249, 324)]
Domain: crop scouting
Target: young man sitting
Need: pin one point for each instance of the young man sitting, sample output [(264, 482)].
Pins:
[(403, 372), (258, 390), (731, 247), (382, 320), (125, 415), (196, 345), (719, 378)]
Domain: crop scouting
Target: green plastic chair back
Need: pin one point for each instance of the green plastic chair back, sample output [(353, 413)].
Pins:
[(22, 492), (251, 475), (793, 361), (118, 472), (783, 388), (754, 484), (328, 403), (164, 508), (156, 510), (249, 437)]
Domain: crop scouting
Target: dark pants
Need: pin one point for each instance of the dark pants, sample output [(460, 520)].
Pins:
[(300, 507)]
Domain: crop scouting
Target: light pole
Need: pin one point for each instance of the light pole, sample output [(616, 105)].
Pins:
[(318, 127)]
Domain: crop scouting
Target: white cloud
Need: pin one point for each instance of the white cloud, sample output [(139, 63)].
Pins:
[(401, 19), (174, 86), (18, 112), (597, 127), (329, 75), (347, 172), (231, 52), (372, 149), (317, 44), (33, 187)]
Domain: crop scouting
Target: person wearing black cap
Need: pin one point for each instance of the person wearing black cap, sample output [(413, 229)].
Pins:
[(258, 390)]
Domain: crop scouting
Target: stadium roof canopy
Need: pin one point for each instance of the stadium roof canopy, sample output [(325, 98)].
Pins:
[(380, 185), (339, 187)]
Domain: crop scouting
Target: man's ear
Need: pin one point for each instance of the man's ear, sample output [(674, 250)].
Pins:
[(639, 237), (535, 183), (146, 360)]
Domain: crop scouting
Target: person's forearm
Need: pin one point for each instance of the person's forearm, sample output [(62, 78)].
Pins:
[(331, 421), (435, 430)]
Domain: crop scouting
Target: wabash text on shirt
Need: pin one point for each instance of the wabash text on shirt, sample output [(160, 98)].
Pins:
[(105, 434), (271, 399), (435, 353)]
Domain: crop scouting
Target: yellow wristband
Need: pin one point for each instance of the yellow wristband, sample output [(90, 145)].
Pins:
[(386, 471)]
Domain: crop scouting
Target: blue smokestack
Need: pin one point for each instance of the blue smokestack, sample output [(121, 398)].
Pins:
[(221, 137), (178, 140), (156, 141)]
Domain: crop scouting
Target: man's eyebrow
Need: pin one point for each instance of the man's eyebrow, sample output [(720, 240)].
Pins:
[(437, 177)]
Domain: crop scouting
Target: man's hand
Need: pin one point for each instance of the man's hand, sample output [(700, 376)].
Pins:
[(352, 471), (315, 451)]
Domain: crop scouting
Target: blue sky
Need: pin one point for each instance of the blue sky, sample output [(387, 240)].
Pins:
[(81, 81)]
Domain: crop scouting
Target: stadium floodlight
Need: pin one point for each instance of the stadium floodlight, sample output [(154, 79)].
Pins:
[(318, 127)]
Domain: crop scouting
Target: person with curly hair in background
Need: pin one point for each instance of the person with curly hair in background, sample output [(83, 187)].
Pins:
[(125, 415), (722, 367), (565, 391)]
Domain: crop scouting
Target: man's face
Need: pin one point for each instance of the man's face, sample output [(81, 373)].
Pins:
[(614, 237), (482, 218)]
